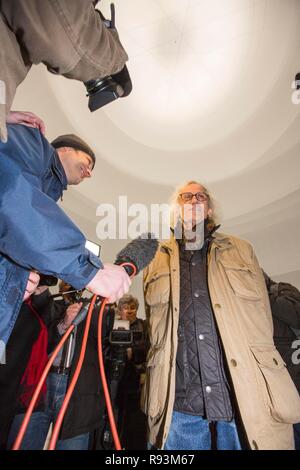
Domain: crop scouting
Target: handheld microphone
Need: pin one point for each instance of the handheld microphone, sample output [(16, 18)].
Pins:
[(139, 252), (134, 257)]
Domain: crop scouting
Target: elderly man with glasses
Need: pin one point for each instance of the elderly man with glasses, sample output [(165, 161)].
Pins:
[(214, 377)]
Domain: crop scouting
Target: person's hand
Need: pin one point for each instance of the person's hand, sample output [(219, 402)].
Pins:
[(27, 119), (33, 282), (111, 282), (40, 290), (71, 313)]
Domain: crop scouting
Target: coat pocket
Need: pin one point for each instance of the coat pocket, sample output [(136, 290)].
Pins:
[(280, 394), (151, 396), (242, 280)]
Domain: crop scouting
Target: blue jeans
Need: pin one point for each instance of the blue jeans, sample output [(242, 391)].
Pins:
[(37, 430), (297, 436), (189, 432)]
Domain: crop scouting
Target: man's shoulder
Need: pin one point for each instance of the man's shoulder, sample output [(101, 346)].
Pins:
[(28, 146), (225, 238), (21, 131)]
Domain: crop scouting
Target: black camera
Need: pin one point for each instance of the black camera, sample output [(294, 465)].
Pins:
[(108, 89), (103, 91), (121, 337)]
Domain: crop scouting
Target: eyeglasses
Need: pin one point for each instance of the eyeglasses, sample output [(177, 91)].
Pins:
[(187, 197)]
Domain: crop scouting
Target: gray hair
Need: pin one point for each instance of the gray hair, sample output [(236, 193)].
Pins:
[(128, 299)]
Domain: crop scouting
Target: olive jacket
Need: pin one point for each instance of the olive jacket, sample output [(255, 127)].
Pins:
[(268, 402)]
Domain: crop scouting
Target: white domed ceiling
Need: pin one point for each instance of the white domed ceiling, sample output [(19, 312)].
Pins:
[(203, 74)]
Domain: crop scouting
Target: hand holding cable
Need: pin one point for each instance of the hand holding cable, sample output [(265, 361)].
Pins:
[(111, 282)]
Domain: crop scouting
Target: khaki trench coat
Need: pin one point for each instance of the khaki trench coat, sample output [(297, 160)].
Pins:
[(67, 36), (267, 399)]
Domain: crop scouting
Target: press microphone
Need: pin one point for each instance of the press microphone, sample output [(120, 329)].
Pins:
[(134, 257), (139, 253)]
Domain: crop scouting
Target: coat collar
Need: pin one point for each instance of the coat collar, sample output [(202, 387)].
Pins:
[(219, 240), (58, 169)]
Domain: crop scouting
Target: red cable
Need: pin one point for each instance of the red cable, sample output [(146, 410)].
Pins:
[(73, 382), (102, 371), (35, 396), (110, 412)]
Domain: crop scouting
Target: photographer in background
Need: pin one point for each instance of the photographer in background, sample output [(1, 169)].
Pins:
[(71, 38), (133, 423), (35, 234), (285, 307)]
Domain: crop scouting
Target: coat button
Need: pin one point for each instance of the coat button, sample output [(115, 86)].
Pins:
[(201, 337), (217, 306), (233, 362), (208, 389), (196, 294)]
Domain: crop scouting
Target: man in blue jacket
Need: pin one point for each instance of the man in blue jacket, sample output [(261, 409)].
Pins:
[(35, 234)]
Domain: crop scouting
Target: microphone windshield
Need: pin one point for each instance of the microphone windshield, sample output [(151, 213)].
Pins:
[(139, 252)]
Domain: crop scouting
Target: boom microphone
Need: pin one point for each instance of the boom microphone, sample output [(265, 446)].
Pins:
[(139, 252)]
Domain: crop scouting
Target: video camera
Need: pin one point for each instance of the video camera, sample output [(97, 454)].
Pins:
[(103, 91), (120, 339)]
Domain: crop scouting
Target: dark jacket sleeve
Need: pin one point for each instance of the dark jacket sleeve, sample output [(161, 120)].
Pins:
[(69, 37), (140, 348), (285, 303)]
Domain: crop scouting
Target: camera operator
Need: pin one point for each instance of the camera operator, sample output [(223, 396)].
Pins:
[(70, 37), (133, 423), (35, 234)]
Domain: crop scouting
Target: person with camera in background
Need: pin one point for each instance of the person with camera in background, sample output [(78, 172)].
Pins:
[(133, 422), (35, 234), (71, 39)]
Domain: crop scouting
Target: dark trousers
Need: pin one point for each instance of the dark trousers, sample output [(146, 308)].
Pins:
[(133, 423)]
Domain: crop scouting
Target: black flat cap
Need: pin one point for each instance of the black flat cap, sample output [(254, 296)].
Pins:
[(75, 142)]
